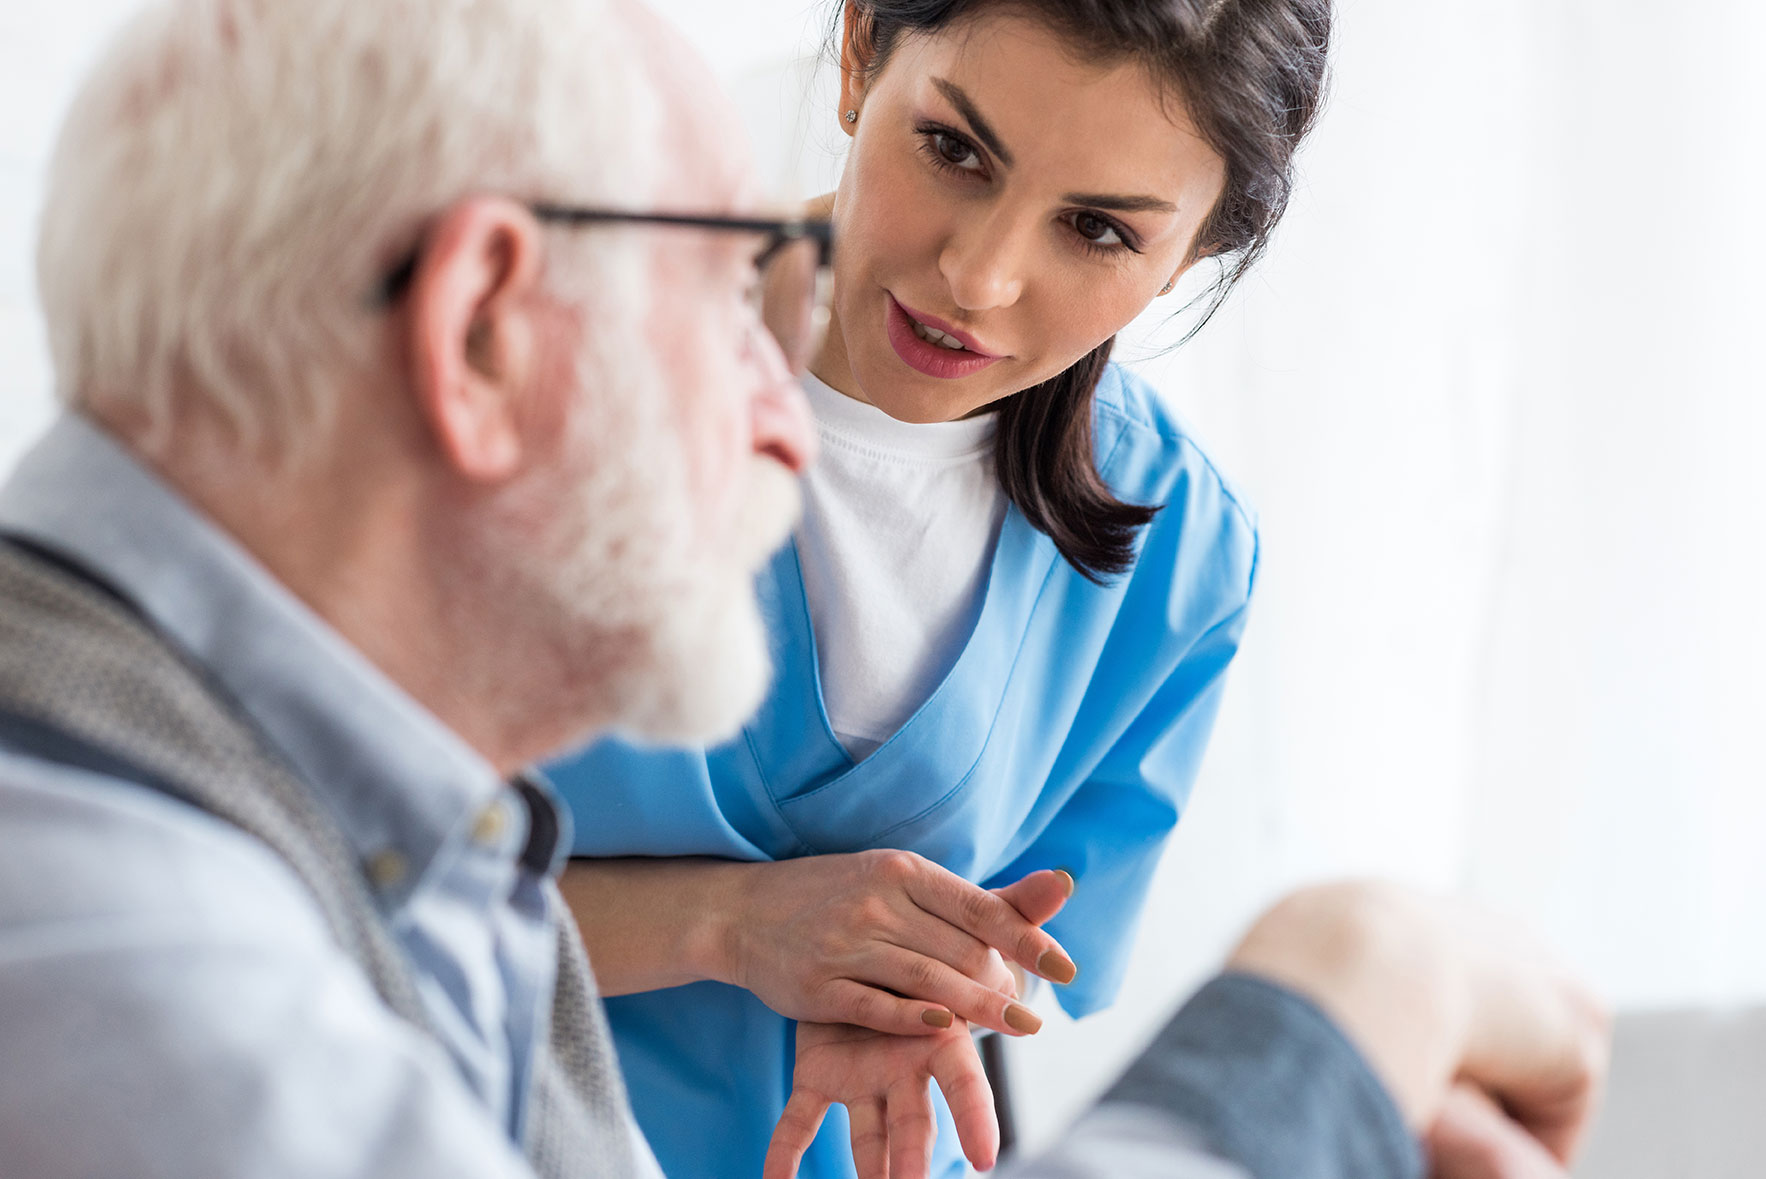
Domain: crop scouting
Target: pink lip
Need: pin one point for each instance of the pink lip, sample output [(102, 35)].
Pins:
[(930, 359), (938, 325)]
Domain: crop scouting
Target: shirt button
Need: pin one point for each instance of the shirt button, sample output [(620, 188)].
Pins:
[(387, 869), (488, 828)]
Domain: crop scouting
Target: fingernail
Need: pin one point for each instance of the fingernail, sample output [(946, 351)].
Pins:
[(1021, 1019), (1067, 879), (935, 1017), (1056, 967)]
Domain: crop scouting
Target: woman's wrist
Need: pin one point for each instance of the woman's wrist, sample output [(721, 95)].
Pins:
[(715, 936), (655, 923)]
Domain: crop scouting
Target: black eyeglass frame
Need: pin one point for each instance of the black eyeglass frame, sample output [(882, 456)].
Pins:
[(781, 233)]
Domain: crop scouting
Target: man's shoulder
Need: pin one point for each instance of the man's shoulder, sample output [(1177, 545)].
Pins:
[(85, 849), (158, 963)]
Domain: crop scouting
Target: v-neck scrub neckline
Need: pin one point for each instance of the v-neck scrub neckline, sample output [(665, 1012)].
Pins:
[(830, 808), (901, 521)]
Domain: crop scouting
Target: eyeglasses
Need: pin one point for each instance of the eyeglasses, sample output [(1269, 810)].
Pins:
[(795, 264)]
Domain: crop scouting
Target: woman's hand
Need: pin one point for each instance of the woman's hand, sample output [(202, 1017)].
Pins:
[(889, 941), (880, 939)]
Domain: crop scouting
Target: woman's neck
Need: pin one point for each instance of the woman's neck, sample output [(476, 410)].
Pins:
[(830, 365)]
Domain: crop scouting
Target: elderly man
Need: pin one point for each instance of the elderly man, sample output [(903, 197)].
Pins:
[(406, 443)]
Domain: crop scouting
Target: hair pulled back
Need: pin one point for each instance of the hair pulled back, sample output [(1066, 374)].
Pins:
[(1251, 75)]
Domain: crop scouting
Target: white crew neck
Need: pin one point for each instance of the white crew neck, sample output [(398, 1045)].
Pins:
[(848, 420), (899, 525)]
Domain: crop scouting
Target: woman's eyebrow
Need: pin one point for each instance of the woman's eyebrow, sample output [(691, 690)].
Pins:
[(1121, 204), (966, 108), (988, 136)]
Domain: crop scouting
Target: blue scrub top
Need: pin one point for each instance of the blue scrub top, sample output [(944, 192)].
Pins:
[(1067, 734)]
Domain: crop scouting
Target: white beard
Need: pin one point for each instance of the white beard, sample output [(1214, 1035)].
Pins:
[(704, 667), (655, 637)]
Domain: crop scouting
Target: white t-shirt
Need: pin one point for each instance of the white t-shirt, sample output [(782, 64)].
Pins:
[(899, 526)]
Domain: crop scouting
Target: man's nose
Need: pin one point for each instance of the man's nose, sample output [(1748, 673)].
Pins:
[(784, 427)]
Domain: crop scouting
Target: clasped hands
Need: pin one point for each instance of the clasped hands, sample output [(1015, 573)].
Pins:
[(885, 970)]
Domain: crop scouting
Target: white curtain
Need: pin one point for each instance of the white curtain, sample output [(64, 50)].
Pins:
[(1496, 393)]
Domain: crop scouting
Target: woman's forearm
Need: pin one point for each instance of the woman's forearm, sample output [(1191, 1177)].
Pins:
[(654, 923), (883, 939)]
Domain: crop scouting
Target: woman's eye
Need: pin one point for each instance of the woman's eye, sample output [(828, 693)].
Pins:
[(1096, 230), (955, 152)]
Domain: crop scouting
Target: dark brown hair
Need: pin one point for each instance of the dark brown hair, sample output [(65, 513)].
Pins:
[(1251, 74)]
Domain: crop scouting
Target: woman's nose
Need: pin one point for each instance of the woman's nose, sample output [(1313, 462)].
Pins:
[(983, 261)]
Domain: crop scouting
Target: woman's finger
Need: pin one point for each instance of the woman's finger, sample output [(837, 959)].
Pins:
[(911, 1130), (1040, 895), (934, 937), (957, 1069), (843, 1000), (932, 981), (870, 1139), (791, 1137), (991, 919)]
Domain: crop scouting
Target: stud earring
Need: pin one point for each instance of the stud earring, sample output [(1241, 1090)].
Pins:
[(852, 116), (1166, 289)]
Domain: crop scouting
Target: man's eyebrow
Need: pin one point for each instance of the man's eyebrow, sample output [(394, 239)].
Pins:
[(1121, 204), (966, 108)]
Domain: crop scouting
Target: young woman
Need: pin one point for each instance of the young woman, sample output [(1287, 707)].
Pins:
[(1001, 630)]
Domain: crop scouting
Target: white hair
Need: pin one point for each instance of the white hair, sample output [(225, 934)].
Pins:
[(237, 176)]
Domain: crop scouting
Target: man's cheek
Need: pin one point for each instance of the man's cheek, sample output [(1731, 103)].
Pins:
[(720, 459)]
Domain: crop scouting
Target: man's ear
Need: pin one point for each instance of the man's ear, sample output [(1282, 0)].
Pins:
[(472, 335), (857, 52)]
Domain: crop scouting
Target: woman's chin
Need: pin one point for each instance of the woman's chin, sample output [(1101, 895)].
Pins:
[(908, 396)]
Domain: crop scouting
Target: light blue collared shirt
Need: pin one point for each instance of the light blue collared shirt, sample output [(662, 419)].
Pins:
[(153, 957)]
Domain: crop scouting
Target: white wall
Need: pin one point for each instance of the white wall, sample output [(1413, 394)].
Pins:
[(42, 51), (1495, 392)]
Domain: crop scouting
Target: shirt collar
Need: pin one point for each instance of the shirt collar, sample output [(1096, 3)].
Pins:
[(402, 785)]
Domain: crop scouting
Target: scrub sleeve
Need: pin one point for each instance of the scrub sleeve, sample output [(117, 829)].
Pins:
[(1111, 833)]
